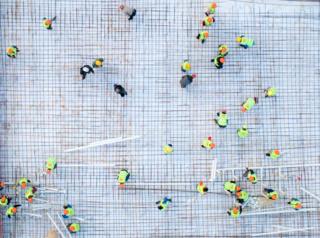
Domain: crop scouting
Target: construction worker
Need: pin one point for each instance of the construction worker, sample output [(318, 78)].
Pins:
[(164, 203), (120, 90), (130, 12), (51, 164), (185, 66), (242, 196), (4, 200), (235, 211), (223, 50), (67, 211), (202, 188), (12, 51), (12, 210), (273, 154), (208, 21), (2, 185), (218, 61), (243, 131), (167, 149), (73, 227), (208, 143), (270, 92), (97, 63), (231, 187), (248, 104), (211, 9), (123, 177), (186, 80), (222, 119), (47, 23), (245, 42), (23, 182), (86, 69), (271, 194), (295, 203), (251, 176), (203, 36), (29, 194)]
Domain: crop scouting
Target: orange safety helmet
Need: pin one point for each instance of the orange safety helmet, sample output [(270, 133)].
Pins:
[(47, 22), (274, 197), (65, 212), (122, 185), (23, 185), (9, 50), (243, 109), (71, 228), (210, 19), (213, 5), (251, 178), (235, 210), (298, 206), (206, 34), (14, 209), (238, 188), (3, 198), (277, 152), (221, 60)]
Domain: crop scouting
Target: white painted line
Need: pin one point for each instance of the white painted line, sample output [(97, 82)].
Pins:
[(279, 212), (285, 231), (311, 194)]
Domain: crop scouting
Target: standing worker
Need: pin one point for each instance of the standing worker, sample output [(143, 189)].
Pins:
[(211, 9), (295, 203), (251, 176), (51, 164), (167, 149), (47, 23), (231, 187), (67, 211), (223, 50), (123, 177), (273, 154), (235, 211), (98, 63), (222, 119), (248, 104), (245, 42), (164, 203), (12, 51), (185, 66), (208, 143), (243, 131), (186, 80), (202, 188), (270, 194), (29, 194), (208, 21), (129, 11), (4, 200), (23, 182), (12, 210), (203, 36), (218, 61), (120, 90), (73, 227), (86, 69), (270, 92)]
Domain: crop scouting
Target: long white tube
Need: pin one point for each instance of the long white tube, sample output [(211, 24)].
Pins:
[(284, 231), (311, 194)]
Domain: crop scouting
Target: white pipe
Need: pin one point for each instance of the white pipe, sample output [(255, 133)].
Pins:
[(95, 165), (103, 142), (213, 170), (286, 231), (64, 225), (272, 167), (279, 212), (56, 226), (311, 194), (31, 214)]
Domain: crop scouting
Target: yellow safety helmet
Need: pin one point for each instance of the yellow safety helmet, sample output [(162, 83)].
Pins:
[(238, 39)]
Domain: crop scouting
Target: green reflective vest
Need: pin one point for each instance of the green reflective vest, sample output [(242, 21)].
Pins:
[(249, 103), (234, 214), (230, 186), (223, 50), (201, 188), (246, 42), (274, 155), (122, 176), (211, 9), (29, 193), (208, 144), (202, 35), (243, 195), (186, 66), (295, 204), (74, 227), (243, 132), (5, 202), (10, 211), (69, 211), (271, 92), (167, 149), (273, 194), (222, 119), (208, 21), (252, 177), (51, 163), (11, 51)]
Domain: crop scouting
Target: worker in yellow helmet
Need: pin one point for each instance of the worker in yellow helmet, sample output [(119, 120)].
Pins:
[(245, 42), (235, 211), (208, 143), (47, 23), (208, 21), (202, 188), (223, 50), (211, 9), (203, 36), (167, 149), (249, 103), (271, 194), (98, 63), (270, 92), (273, 154), (12, 51), (185, 66)]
